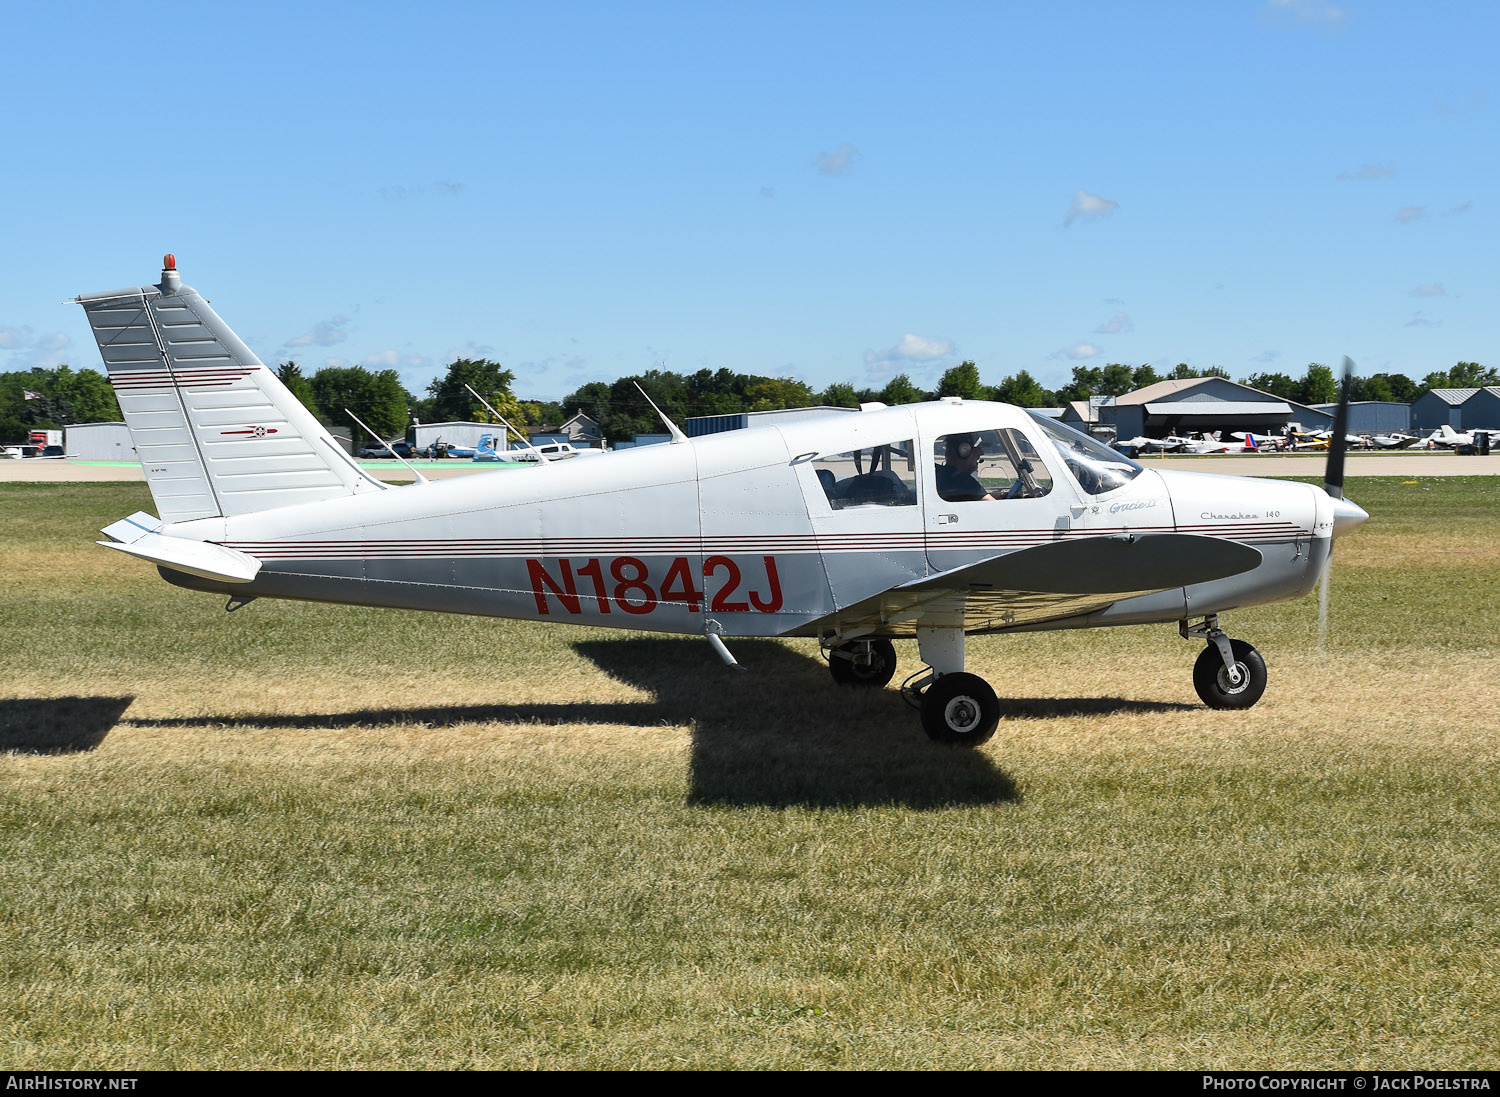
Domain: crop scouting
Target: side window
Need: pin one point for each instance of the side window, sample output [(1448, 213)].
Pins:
[(879, 476), (988, 464)]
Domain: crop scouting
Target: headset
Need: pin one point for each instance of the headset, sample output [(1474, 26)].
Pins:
[(961, 449)]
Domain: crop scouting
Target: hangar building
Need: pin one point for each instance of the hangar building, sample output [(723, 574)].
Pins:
[(1461, 409), (1482, 410), (699, 425), (1373, 416), (99, 442), (1206, 404), (1436, 407)]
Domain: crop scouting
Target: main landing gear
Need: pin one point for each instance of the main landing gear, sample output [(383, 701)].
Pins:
[(1229, 674), (956, 707)]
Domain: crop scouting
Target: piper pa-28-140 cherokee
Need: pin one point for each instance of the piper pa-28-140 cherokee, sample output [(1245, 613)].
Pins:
[(930, 520)]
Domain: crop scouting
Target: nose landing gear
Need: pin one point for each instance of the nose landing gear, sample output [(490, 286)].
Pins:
[(1229, 674)]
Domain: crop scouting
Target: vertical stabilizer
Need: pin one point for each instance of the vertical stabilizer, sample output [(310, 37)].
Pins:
[(217, 431)]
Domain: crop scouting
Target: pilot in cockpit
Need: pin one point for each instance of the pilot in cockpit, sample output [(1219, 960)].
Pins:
[(957, 478)]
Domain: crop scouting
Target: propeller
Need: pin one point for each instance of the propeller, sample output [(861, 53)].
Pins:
[(1346, 515)]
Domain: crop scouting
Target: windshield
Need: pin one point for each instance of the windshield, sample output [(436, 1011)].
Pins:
[(1096, 467)]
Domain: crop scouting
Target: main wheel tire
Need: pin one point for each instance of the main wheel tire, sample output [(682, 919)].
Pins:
[(960, 709), (1211, 678), (847, 668)]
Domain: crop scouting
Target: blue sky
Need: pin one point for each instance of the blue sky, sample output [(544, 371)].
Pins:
[(834, 192)]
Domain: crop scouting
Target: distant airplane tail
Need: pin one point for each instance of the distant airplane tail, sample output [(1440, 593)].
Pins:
[(216, 430)]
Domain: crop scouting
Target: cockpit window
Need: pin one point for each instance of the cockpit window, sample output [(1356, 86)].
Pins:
[(988, 464), (877, 476), (1096, 467)]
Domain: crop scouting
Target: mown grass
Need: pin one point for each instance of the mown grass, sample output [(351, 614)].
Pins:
[(301, 835)]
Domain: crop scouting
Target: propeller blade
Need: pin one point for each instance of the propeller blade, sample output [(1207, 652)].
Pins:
[(1333, 475)]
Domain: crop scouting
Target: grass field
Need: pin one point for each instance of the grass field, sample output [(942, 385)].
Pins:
[(302, 835)]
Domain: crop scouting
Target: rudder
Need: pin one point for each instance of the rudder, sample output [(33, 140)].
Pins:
[(216, 430)]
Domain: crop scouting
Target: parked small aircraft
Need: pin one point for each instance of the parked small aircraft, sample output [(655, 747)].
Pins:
[(1445, 437), (930, 521)]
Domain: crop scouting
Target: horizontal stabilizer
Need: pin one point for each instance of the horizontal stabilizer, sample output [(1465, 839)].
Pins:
[(127, 530), (194, 557), (1105, 565)]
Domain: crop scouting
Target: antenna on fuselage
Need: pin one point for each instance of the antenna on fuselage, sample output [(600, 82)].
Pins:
[(420, 479), (542, 456), (677, 435)]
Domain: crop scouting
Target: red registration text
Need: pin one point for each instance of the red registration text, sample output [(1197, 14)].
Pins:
[(626, 584)]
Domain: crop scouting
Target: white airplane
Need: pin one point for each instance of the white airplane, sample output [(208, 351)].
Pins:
[(930, 521), (1446, 437)]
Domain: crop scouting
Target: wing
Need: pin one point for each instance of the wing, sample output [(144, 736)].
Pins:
[(1043, 583)]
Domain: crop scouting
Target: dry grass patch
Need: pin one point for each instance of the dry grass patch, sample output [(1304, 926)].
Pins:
[(312, 836)]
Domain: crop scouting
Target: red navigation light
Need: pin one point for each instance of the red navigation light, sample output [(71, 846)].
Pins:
[(169, 262)]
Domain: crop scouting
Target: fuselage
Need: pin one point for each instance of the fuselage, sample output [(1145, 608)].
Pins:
[(747, 529)]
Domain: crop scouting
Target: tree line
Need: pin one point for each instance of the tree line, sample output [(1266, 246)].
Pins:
[(48, 398)]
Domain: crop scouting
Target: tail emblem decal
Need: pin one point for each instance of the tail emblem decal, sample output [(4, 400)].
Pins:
[(258, 432)]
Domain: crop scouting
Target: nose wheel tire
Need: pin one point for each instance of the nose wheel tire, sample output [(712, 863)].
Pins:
[(960, 709), (869, 663), (1212, 681)]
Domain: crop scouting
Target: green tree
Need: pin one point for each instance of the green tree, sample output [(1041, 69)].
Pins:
[(1391, 386), (1463, 375), (377, 398), (900, 390), (773, 394), (1115, 380), (451, 402), (1086, 382), (1144, 375), (1318, 385), (839, 395), (593, 399), (963, 380), (1023, 391), (291, 376), (1277, 384)]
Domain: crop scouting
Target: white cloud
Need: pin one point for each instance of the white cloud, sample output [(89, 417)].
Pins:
[(1089, 207), (325, 333), (1315, 13), (1115, 324), (469, 350), (1367, 172), (922, 349), (912, 352), (768, 192), (28, 349), (1418, 320), (396, 359), (1077, 352), (1266, 357), (1462, 207), (1431, 289), (1407, 214), (838, 162)]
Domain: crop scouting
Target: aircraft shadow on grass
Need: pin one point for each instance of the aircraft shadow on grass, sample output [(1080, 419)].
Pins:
[(58, 725), (779, 735)]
